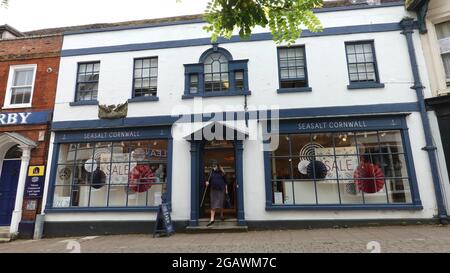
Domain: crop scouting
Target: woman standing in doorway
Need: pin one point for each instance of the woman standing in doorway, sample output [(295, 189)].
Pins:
[(219, 188)]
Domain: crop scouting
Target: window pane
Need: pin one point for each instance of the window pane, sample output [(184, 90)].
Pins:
[(327, 192), (138, 63), (23, 77), (446, 61), (304, 193), (281, 168), (350, 194), (443, 30)]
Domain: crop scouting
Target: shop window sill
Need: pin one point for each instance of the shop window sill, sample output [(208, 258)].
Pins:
[(294, 90), (84, 102), (345, 207), (143, 99), (110, 209), (365, 85), (217, 94)]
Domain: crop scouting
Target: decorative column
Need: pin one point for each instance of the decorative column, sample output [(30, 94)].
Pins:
[(17, 213), (239, 151), (408, 27), (194, 182)]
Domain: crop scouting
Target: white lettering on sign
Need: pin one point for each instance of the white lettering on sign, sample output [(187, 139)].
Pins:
[(112, 135), (14, 118), (24, 117), (331, 125)]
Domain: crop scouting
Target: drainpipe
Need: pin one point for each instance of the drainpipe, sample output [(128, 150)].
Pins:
[(408, 25)]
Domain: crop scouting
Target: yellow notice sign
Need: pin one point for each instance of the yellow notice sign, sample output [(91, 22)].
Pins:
[(36, 170)]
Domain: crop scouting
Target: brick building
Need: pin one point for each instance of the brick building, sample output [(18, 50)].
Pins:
[(28, 76)]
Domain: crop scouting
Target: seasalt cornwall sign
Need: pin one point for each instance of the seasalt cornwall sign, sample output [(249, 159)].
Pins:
[(332, 125), (23, 118), (109, 135)]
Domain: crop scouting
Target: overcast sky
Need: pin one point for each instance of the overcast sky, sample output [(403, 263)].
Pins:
[(27, 15)]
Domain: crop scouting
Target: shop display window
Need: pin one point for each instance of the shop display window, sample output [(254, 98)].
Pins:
[(111, 174), (344, 168)]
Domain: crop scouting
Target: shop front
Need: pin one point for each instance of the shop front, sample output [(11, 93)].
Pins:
[(111, 170), (23, 156), (333, 164)]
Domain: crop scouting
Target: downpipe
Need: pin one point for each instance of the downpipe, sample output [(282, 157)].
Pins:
[(408, 26)]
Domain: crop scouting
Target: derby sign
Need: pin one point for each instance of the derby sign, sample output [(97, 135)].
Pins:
[(23, 118)]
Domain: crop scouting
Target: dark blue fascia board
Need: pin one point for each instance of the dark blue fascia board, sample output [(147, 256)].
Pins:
[(371, 28), (283, 114), (364, 85), (294, 90), (84, 103), (345, 207), (143, 99), (350, 110), (217, 94), (197, 21)]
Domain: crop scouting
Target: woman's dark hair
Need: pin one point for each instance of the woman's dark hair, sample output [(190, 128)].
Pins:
[(220, 169)]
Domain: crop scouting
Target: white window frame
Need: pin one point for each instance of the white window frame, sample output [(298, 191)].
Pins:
[(12, 71)]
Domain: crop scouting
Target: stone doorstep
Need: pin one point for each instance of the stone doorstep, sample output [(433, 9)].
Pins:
[(4, 240), (4, 233), (229, 225)]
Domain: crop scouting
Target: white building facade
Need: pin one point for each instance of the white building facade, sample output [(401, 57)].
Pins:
[(327, 131)]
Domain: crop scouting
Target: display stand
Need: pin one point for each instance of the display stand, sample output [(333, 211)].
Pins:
[(163, 225)]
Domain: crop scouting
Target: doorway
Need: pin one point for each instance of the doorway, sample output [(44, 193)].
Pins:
[(218, 152), (8, 184)]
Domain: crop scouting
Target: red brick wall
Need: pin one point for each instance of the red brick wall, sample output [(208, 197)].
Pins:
[(28, 48)]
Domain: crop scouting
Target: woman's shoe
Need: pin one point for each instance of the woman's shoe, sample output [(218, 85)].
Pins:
[(210, 223), (222, 218)]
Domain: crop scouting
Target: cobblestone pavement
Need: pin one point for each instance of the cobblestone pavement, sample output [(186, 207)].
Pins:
[(426, 238)]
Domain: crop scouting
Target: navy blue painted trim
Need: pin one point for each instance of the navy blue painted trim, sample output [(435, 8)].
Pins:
[(217, 94), (284, 114), (143, 98), (408, 25), (364, 85), (84, 103), (345, 207), (294, 90), (239, 165), (108, 209), (349, 110), (197, 21), (52, 182), (235, 39)]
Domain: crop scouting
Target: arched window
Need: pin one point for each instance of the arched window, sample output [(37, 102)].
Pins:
[(216, 73)]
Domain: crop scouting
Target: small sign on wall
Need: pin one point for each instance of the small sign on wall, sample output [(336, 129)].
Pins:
[(36, 171), (34, 185)]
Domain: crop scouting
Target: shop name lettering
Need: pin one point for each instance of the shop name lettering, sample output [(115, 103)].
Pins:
[(14, 118), (112, 135), (331, 125)]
